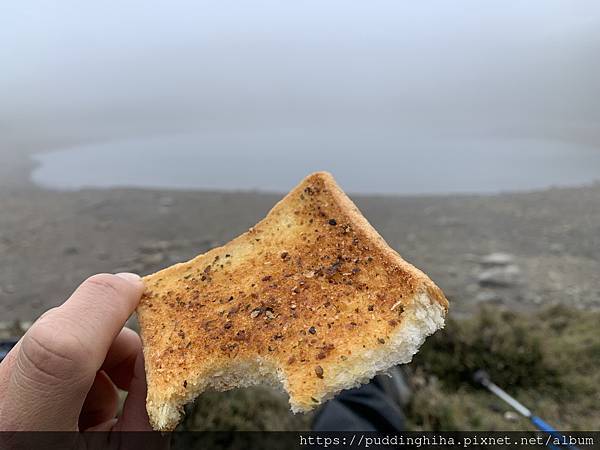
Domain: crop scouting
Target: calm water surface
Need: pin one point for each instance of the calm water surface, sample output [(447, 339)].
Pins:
[(371, 161)]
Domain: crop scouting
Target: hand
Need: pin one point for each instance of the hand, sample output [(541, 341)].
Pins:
[(64, 373)]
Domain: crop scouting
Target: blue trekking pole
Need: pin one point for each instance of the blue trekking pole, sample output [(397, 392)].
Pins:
[(482, 377)]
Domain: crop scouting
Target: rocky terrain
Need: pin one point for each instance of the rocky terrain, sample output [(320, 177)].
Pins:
[(518, 253), (520, 250)]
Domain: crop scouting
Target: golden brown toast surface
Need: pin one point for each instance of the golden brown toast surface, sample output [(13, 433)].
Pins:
[(307, 297)]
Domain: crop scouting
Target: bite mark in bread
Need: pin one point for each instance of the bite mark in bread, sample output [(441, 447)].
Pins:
[(311, 299)]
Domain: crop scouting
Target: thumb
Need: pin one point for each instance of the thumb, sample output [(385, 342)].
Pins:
[(59, 356)]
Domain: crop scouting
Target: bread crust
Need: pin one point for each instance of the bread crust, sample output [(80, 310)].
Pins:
[(311, 298)]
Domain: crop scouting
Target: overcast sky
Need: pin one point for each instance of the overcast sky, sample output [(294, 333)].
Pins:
[(116, 67)]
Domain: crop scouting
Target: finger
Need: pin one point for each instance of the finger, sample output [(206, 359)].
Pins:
[(120, 360), (135, 417), (60, 354), (98, 310), (101, 402)]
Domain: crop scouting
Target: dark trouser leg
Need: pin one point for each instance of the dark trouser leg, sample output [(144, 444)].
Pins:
[(367, 408)]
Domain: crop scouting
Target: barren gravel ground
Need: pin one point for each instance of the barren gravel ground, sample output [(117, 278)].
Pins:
[(522, 251), (50, 240)]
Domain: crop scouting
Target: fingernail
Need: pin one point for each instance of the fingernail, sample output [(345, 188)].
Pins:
[(131, 277)]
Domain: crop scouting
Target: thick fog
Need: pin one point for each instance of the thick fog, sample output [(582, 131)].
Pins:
[(529, 67), (77, 72)]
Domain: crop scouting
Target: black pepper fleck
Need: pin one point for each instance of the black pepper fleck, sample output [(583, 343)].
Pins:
[(319, 371)]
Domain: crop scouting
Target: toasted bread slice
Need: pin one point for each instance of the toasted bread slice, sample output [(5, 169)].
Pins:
[(311, 298)]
